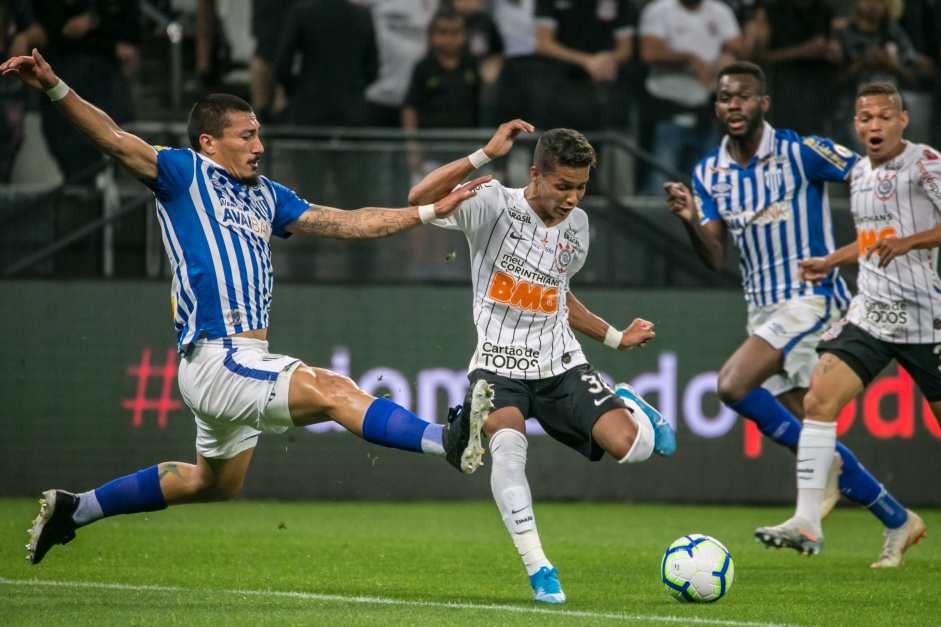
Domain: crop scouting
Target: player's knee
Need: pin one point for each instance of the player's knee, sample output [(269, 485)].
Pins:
[(818, 407), (729, 389), (336, 389), (324, 390), (220, 490)]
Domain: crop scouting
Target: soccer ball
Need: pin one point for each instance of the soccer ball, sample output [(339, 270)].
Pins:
[(697, 569)]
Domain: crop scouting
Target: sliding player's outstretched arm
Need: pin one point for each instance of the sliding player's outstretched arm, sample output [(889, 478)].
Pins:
[(373, 222), (131, 152), (444, 179)]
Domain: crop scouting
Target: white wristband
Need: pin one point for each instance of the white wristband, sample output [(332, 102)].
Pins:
[(613, 337), (479, 158), (427, 213), (58, 92)]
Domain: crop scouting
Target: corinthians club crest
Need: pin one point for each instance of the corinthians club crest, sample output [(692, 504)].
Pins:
[(565, 254), (885, 188)]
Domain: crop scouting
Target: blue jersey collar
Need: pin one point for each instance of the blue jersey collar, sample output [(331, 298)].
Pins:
[(765, 148)]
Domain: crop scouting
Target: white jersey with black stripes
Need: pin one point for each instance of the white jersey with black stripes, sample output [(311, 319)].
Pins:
[(902, 302), (521, 270)]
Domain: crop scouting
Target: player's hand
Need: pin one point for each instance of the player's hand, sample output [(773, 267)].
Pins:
[(679, 201), (639, 333), (703, 71), (127, 57), (79, 26), (813, 270), (502, 140), (32, 70), (888, 249), (449, 204), (602, 67)]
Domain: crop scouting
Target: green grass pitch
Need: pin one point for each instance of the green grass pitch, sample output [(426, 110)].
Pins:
[(310, 563)]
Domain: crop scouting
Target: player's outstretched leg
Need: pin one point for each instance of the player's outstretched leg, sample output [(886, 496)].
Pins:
[(546, 587), (461, 436), (664, 437), (54, 525), (791, 534), (898, 540)]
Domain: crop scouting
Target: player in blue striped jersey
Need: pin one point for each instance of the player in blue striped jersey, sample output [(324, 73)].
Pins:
[(768, 188), (217, 215)]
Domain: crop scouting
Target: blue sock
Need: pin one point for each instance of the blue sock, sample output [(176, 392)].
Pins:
[(392, 425), (135, 493), (770, 416), (859, 486), (856, 484)]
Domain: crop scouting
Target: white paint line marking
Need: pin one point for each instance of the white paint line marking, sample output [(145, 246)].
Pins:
[(335, 598)]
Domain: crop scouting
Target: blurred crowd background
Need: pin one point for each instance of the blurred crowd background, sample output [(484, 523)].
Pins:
[(360, 98)]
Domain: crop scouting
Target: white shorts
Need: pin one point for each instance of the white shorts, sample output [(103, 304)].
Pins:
[(236, 390), (794, 327)]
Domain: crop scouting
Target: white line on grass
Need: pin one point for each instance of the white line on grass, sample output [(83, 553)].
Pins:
[(307, 596)]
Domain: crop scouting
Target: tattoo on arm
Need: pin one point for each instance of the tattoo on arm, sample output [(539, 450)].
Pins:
[(319, 221), (169, 469)]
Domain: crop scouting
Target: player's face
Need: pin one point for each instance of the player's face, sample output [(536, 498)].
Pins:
[(239, 148), (447, 36), (556, 193), (740, 106), (879, 123), (467, 7)]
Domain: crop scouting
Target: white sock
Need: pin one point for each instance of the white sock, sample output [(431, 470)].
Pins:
[(431, 442), (514, 500), (815, 449), (88, 510), (642, 448)]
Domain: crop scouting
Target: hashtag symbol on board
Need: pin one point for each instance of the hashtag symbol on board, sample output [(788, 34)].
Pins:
[(141, 402)]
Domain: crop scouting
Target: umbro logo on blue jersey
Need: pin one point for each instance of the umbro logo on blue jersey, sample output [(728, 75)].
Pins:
[(720, 190)]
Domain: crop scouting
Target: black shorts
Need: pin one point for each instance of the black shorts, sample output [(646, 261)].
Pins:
[(867, 356), (567, 405)]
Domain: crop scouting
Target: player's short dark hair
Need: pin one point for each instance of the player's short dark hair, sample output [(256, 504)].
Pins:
[(880, 88), (445, 13), (210, 116), (746, 67), (565, 147)]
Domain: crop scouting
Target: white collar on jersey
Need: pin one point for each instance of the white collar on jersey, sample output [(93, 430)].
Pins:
[(765, 148)]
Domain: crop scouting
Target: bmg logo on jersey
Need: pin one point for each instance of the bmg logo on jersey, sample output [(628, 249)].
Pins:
[(867, 237), (521, 294)]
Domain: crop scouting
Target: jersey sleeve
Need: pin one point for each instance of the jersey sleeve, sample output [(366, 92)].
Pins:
[(928, 167), (825, 160), (473, 212), (287, 209), (652, 23), (175, 170), (705, 204)]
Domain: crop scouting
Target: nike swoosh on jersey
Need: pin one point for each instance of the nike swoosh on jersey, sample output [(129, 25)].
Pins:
[(601, 400)]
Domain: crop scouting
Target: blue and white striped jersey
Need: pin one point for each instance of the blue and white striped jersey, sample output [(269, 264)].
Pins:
[(777, 210), (216, 233)]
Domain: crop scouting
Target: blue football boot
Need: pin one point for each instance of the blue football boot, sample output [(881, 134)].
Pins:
[(546, 588), (664, 441)]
